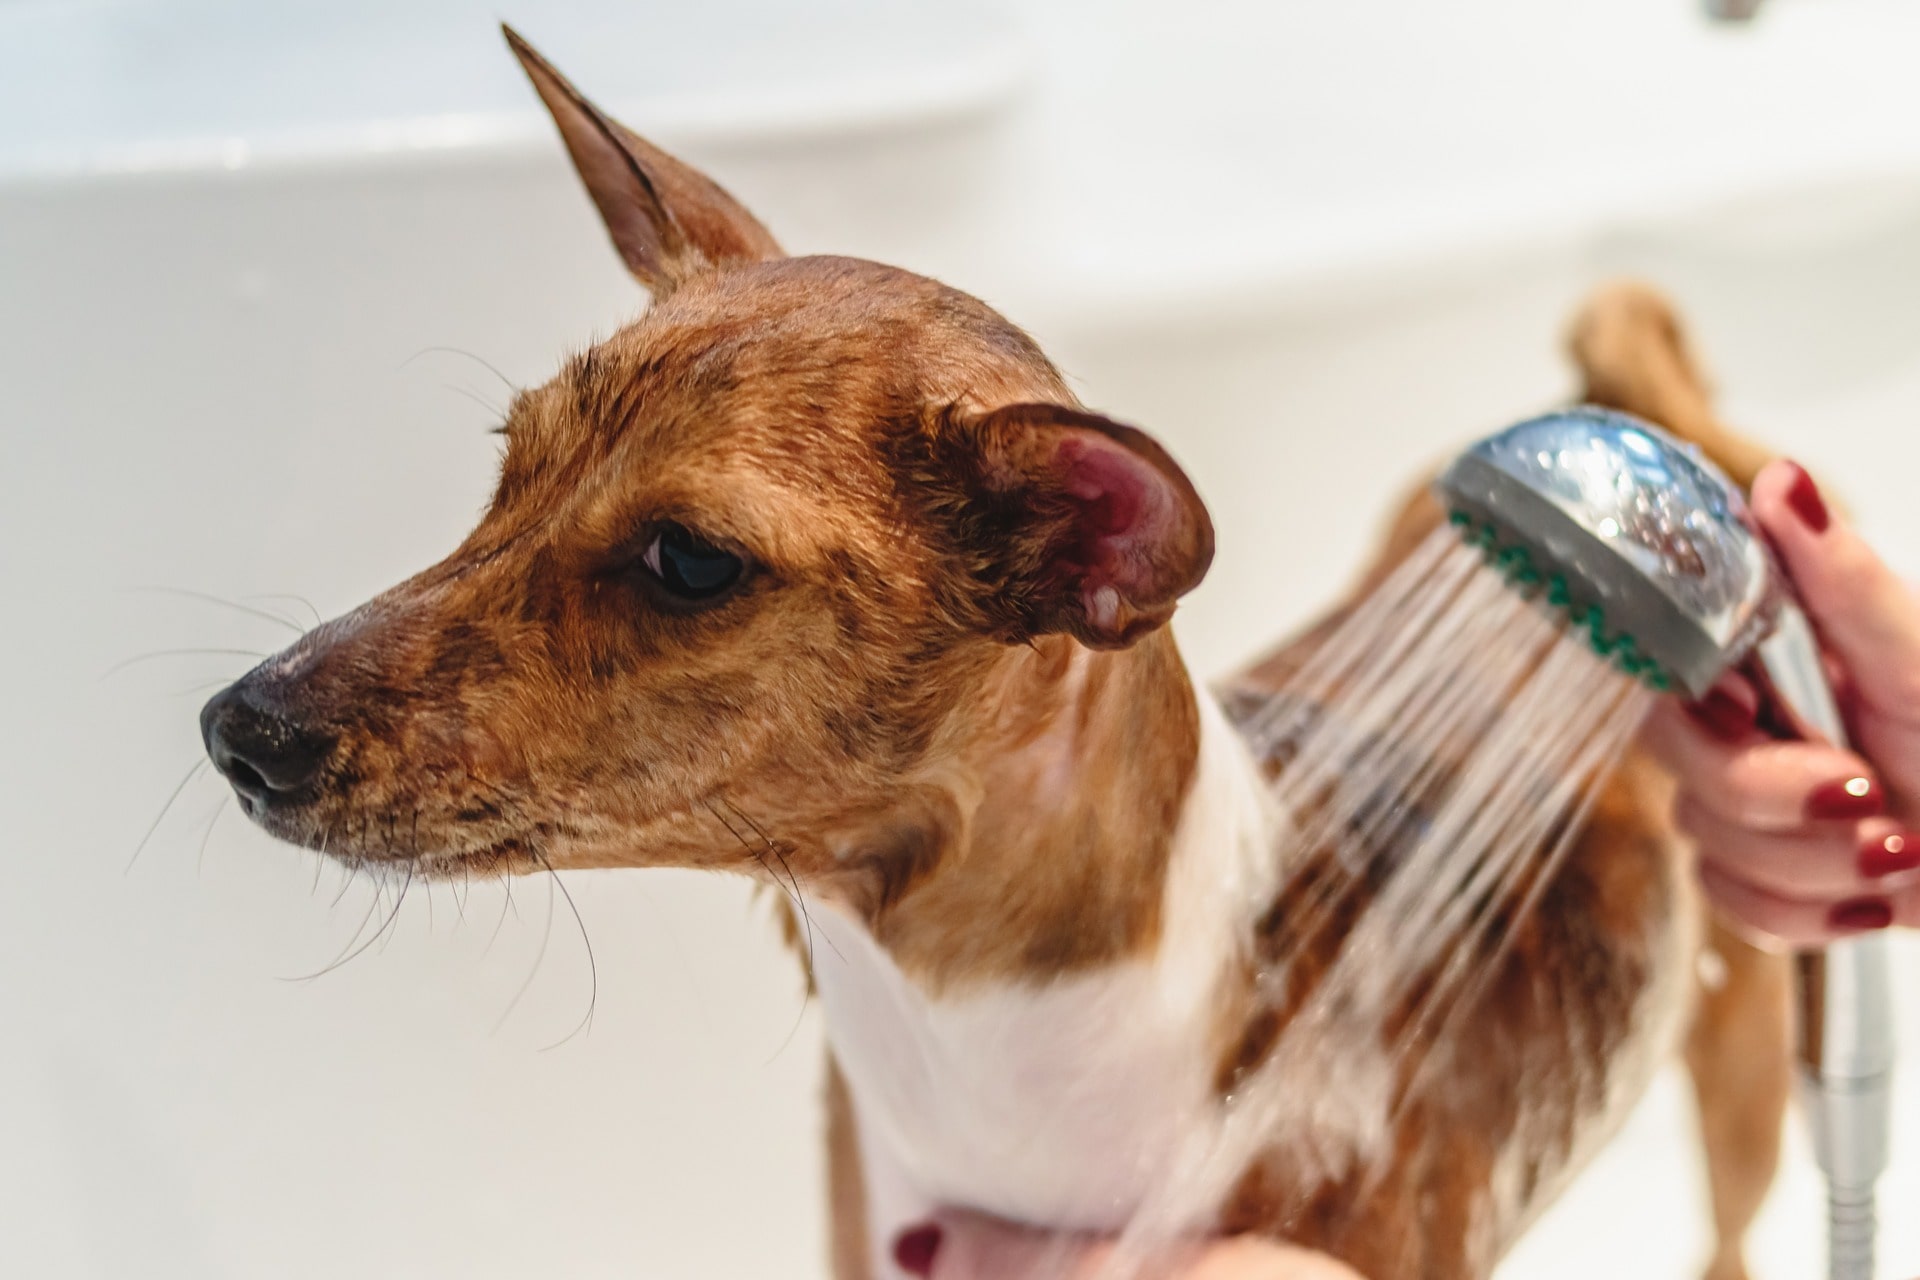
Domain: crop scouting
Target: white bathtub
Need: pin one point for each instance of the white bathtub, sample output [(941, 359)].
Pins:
[(1311, 248)]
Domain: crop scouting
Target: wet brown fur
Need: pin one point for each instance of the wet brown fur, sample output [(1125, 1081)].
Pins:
[(884, 710)]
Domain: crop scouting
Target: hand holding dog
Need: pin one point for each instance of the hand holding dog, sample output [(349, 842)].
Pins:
[(968, 1247), (1807, 843)]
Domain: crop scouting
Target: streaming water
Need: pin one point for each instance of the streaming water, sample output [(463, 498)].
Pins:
[(1440, 750)]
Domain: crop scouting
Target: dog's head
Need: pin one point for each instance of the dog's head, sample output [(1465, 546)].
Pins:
[(751, 564)]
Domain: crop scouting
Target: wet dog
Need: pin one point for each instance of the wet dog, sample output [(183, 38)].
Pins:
[(817, 571)]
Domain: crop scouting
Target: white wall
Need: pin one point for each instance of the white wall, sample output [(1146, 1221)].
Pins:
[(1312, 246)]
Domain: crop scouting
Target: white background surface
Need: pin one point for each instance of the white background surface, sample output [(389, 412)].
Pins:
[(1310, 245)]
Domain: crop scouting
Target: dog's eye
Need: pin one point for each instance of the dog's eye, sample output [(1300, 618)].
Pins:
[(688, 566)]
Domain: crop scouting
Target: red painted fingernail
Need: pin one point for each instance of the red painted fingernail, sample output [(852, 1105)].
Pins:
[(1724, 715), (914, 1248), (1847, 798), (1804, 497), (1890, 855), (1861, 915)]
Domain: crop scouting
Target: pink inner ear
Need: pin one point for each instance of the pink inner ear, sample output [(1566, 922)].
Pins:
[(1123, 511)]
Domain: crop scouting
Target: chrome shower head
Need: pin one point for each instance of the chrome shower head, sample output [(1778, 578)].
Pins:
[(1642, 539)]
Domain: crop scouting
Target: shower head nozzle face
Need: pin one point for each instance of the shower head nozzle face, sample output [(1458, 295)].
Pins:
[(1637, 524)]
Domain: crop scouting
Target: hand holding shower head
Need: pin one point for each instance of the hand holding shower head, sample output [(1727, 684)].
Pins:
[(1652, 551)]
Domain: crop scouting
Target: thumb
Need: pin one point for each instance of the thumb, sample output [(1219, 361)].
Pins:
[(1864, 612)]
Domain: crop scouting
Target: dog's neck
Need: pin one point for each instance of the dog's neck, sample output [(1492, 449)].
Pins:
[(1039, 845), (1032, 1027)]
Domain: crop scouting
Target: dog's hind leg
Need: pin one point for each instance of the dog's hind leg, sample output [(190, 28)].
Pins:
[(1740, 1055), (848, 1239)]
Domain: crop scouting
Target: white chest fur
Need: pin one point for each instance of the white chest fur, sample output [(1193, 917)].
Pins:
[(1059, 1102)]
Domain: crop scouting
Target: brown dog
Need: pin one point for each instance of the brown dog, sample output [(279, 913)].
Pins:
[(817, 573)]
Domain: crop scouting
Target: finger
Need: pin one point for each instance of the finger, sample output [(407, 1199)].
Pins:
[(1906, 907), (1770, 918), (1760, 783), (1862, 609), (968, 1246), (1731, 709), (1827, 861), (971, 1247), (1251, 1258)]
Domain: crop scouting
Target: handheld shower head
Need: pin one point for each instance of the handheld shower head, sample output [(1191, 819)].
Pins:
[(1641, 538), (1652, 550)]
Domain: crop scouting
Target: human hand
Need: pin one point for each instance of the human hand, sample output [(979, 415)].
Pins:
[(962, 1246), (1801, 842)]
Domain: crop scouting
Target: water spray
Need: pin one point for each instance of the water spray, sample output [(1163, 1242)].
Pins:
[(1651, 552)]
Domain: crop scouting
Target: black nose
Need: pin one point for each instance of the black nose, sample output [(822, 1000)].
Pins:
[(262, 750)]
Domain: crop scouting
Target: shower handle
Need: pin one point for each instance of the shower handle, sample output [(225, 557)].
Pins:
[(1845, 1007)]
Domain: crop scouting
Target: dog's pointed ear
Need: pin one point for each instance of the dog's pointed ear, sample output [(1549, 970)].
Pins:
[(667, 220), (1079, 525)]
